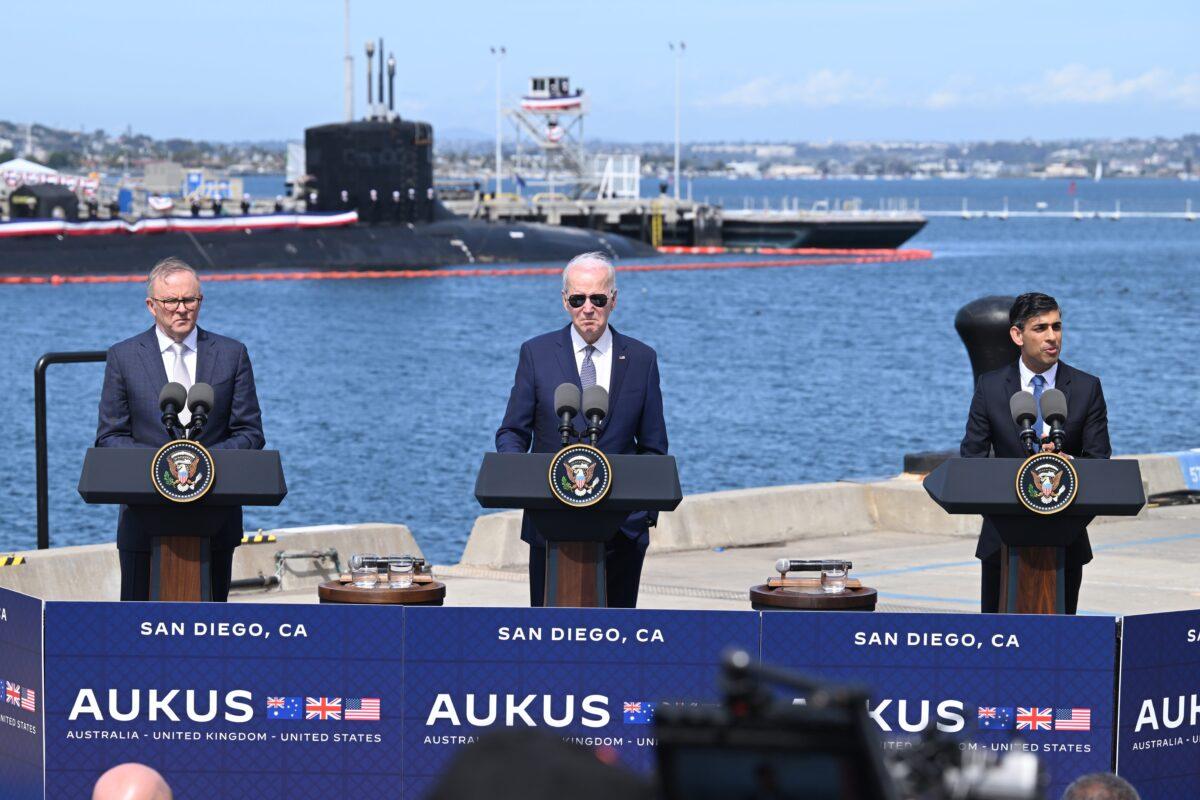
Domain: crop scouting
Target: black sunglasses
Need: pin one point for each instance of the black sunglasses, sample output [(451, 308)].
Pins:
[(598, 300)]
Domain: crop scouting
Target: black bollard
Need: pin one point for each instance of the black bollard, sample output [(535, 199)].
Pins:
[(983, 327)]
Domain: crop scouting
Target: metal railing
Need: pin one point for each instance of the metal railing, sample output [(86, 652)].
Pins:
[(39, 406)]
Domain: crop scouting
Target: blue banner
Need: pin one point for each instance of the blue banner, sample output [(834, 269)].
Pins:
[(238, 700), (1158, 747), (1043, 684), (21, 728), (593, 676)]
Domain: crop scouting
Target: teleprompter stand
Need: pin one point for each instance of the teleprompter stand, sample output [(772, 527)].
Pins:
[(1033, 555), (575, 537), (180, 533)]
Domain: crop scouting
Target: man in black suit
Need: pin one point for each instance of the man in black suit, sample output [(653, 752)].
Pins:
[(135, 373), (589, 352), (1036, 328)]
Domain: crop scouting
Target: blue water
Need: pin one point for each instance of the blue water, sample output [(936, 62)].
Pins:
[(383, 394)]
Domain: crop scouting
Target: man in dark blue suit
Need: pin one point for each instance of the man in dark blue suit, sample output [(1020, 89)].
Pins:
[(588, 352), (1036, 328), (135, 373)]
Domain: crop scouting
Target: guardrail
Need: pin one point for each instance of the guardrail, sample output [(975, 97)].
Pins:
[(39, 408)]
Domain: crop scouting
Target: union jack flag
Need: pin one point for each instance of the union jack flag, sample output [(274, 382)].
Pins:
[(274, 702), (323, 708), (987, 711), (1034, 719), (12, 693)]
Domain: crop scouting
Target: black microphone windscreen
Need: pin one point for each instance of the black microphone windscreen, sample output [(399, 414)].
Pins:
[(595, 401), (1054, 406), (172, 393), (566, 399), (201, 394), (1022, 407)]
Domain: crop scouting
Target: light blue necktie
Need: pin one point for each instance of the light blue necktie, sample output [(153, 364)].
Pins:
[(587, 371), (1039, 385)]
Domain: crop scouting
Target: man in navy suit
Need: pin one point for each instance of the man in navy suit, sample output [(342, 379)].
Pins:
[(588, 352), (1036, 328), (136, 371)]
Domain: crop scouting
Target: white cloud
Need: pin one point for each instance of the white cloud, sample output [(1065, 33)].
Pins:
[(821, 89), (1072, 84)]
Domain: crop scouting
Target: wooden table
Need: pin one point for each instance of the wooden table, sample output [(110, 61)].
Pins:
[(419, 594), (803, 598)]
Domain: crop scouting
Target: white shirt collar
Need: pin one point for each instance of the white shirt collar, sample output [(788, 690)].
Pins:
[(1027, 374), (602, 345), (165, 342)]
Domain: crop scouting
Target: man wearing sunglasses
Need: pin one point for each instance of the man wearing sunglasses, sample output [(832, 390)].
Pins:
[(588, 352), (175, 349)]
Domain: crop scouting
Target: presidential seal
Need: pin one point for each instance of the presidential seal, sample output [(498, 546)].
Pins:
[(182, 471), (580, 475), (1047, 483)]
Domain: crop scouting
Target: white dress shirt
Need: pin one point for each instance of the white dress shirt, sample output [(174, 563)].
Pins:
[(189, 360), (1027, 382), (602, 358)]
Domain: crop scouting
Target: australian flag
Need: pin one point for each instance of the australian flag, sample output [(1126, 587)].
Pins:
[(638, 712), (285, 707), (996, 718)]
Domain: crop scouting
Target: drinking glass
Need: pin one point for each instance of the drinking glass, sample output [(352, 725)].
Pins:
[(363, 570), (833, 576), (400, 573)]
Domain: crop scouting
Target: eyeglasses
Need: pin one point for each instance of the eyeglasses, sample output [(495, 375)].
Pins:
[(173, 303), (598, 300)]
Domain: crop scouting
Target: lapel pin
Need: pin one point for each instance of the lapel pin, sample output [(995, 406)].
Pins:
[(620, 358)]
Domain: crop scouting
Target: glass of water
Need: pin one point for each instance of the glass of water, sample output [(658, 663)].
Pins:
[(833, 576), (400, 573), (363, 570)]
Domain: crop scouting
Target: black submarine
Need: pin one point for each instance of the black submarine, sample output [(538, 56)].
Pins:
[(370, 204)]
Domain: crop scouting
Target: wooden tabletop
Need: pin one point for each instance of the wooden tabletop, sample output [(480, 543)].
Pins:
[(797, 598), (419, 594)]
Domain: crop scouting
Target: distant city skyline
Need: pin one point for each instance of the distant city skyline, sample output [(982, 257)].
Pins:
[(758, 71)]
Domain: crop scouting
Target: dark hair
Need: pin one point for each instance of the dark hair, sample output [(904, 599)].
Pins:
[(1030, 305), (1100, 786)]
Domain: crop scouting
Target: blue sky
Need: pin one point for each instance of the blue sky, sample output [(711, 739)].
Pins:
[(754, 70)]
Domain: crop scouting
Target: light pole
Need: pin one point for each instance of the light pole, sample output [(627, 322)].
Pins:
[(678, 48), (348, 78), (499, 53)]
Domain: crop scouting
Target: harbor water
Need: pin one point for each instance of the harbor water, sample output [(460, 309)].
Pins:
[(383, 394)]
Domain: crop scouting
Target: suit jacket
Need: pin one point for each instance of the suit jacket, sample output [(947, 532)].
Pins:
[(130, 417), (991, 431), (634, 424)]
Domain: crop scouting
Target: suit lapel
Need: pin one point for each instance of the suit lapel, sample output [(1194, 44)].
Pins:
[(620, 363), (204, 356), (1062, 381), (570, 370), (1012, 385), (152, 358)]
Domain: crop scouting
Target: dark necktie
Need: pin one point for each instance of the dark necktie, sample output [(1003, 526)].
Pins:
[(1039, 386), (587, 371)]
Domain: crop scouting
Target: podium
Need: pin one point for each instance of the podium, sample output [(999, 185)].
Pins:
[(181, 533), (1033, 551), (575, 537)]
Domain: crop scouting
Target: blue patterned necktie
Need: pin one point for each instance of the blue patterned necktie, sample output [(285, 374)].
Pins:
[(1039, 385), (587, 372)]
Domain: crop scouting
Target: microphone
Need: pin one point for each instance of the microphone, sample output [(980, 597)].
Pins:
[(566, 406), (171, 401), (199, 402), (1024, 413), (595, 409), (1054, 411), (785, 565)]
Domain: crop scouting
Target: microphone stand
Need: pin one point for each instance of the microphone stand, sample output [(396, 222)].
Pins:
[(170, 420), (593, 429), (196, 427)]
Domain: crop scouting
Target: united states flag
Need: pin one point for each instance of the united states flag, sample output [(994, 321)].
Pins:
[(12, 693), (1072, 719), (29, 700), (322, 708), (363, 709), (1033, 719)]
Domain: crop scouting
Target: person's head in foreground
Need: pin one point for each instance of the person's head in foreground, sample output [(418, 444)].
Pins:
[(1100, 786), (131, 782)]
